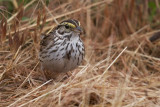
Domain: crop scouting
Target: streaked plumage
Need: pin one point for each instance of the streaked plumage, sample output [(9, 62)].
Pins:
[(62, 50)]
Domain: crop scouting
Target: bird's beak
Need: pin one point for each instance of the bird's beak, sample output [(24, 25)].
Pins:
[(79, 29)]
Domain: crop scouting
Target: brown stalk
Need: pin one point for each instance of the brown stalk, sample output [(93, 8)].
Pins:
[(3, 29)]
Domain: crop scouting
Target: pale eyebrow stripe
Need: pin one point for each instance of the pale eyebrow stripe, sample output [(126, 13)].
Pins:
[(72, 25), (69, 24), (72, 22)]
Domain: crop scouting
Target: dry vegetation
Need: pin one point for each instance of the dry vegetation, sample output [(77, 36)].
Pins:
[(121, 67)]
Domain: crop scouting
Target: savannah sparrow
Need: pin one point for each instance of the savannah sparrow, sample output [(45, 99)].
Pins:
[(62, 50)]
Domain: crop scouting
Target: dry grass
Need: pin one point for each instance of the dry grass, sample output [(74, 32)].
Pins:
[(121, 67)]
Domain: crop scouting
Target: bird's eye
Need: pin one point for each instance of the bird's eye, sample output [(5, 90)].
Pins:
[(67, 26)]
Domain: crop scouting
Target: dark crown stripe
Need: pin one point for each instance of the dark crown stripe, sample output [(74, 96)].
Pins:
[(76, 22)]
